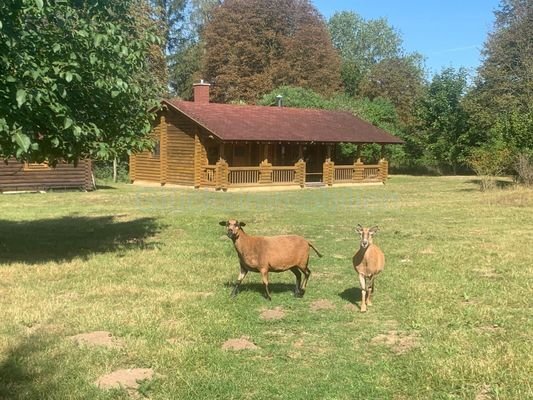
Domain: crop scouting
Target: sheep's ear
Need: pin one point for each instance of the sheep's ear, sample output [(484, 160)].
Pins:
[(373, 230), (242, 224), (223, 223), (359, 228)]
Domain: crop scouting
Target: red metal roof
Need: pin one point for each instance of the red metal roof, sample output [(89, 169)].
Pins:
[(231, 122)]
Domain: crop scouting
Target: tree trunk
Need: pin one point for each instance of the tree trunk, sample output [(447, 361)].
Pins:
[(115, 170)]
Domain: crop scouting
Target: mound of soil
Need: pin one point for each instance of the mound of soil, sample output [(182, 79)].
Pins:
[(98, 338), (276, 313), (239, 344), (323, 304), (128, 379), (399, 342)]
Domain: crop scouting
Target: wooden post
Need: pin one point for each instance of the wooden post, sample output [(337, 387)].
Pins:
[(300, 152), (163, 151), (265, 172), (328, 172), (300, 173), (383, 170), (221, 150), (133, 167), (198, 162), (358, 169), (221, 175), (382, 151), (358, 151)]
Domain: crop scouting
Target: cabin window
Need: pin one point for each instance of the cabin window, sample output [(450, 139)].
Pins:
[(36, 166), (157, 150)]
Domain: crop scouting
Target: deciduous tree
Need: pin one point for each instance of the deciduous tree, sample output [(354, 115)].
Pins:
[(253, 46), (502, 100), (362, 44), (75, 79), (400, 80)]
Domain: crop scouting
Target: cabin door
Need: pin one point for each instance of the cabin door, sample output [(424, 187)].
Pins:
[(313, 163)]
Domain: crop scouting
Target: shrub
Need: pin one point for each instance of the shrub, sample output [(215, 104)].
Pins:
[(523, 167), (489, 162)]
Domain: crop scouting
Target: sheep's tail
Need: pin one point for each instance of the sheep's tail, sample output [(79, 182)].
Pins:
[(314, 248)]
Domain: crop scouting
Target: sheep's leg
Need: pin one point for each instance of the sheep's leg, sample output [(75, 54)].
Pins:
[(242, 274), (370, 291), (362, 283), (298, 290), (307, 274), (264, 277)]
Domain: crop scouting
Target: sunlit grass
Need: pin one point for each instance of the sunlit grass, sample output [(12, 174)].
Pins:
[(451, 319)]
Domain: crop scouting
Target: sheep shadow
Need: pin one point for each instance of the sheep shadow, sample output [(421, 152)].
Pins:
[(352, 295), (65, 238), (260, 288)]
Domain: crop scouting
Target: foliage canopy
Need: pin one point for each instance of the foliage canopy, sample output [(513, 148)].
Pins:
[(75, 78), (253, 46)]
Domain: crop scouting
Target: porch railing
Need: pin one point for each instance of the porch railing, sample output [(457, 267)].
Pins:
[(343, 173), (222, 176), (209, 176), (283, 175), (243, 176), (371, 173)]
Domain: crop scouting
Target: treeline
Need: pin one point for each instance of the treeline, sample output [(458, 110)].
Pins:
[(252, 50), (81, 78)]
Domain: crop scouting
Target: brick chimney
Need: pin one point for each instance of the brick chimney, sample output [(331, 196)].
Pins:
[(201, 92)]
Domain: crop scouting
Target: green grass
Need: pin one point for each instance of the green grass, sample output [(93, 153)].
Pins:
[(153, 267)]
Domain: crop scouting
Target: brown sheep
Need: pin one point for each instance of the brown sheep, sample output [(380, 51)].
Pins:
[(368, 262), (266, 254)]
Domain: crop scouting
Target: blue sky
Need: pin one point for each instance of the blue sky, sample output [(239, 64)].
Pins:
[(446, 32)]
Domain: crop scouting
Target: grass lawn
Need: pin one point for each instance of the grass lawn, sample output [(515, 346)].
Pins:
[(452, 315)]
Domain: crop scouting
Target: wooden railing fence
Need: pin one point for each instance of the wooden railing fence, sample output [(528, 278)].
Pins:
[(222, 176)]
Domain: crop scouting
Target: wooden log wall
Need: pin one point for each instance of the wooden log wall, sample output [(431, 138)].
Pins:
[(17, 176), (180, 137), (147, 165)]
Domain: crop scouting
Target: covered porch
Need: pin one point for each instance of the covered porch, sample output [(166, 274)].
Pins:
[(226, 165)]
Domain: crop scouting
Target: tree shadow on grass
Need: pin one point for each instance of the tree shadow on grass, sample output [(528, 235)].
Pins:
[(33, 369), (63, 239), (498, 184), (353, 295), (19, 377)]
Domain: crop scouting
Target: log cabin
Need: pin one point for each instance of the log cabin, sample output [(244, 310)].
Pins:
[(222, 146), (19, 176)]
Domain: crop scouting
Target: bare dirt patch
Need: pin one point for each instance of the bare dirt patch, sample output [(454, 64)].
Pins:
[(273, 314), (427, 250), (128, 379), (243, 343), (490, 329), (351, 307), (484, 393), (98, 338), (398, 342), (487, 273), (323, 304)]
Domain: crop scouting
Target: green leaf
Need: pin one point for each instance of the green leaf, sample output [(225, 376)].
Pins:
[(21, 97), (56, 47), (68, 123), (68, 76), (114, 93), (22, 140), (39, 4)]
